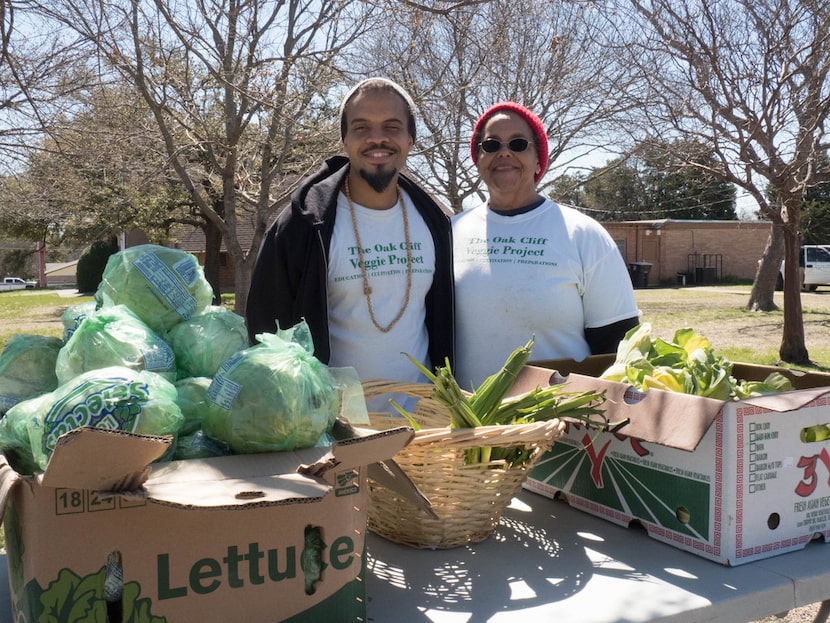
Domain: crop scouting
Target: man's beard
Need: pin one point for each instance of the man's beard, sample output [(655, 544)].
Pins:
[(378, 181)]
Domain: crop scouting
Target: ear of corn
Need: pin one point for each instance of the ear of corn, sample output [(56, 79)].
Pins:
[(488, 405), (446, 390), (554, 401), (487, 398)]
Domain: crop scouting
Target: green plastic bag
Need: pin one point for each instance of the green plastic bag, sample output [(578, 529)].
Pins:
[(162, 286), (272, 397), (14, 433), (74, 316), (114, 398), (197, 446), (27, 368), (114, 336), (192, 398), (206, 341)]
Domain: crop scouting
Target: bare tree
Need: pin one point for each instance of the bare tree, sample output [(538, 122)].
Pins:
[(441, 7), (750, 78), (41, 72), (96, 174), (237, 89), (462, 57), (6, 23)]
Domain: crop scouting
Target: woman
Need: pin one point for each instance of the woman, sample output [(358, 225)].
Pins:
[(526, 266)]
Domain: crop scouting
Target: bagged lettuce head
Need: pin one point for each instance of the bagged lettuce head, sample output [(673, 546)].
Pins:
[(114, 336), (15, 443), (206, 341), (73, 316), (192, 398), (272, 397), (162, 286), (27, 368), (197, 446), (115, 398)]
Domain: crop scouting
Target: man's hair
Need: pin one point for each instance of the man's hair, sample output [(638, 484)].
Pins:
[(382, 85)]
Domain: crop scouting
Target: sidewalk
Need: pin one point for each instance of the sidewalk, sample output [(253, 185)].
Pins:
[(68, 292)]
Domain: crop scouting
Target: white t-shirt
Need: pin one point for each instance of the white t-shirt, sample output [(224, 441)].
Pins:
[(355, 340), (550, 272)]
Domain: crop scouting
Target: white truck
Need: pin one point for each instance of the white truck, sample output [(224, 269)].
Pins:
[(814, 265), (16, 283)]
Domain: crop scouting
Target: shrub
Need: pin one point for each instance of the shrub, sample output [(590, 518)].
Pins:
[(92, 262)]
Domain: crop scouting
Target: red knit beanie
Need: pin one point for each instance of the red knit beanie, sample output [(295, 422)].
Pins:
[(536, 126)]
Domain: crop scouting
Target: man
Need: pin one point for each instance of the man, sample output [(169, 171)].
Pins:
[(362, 254)]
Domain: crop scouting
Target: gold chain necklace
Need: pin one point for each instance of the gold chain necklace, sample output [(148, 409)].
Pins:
[(367, 290)]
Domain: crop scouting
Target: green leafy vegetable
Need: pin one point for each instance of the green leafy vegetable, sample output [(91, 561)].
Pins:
[(206, 341), (114, 336), (27, 368), (197, 446), (70, 598), (162, 286), (688, 364), (114, 398), (311, 558), (74, 316), (773, 384), (192, 398), (272, 397)]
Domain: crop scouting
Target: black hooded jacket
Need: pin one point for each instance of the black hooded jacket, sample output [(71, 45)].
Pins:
[(289, 279)]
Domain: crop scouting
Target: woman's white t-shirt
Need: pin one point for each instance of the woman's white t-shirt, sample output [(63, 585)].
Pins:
[(355, 340), (549, 273)]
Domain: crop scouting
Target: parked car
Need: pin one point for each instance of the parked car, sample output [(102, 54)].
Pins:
[(814, 267), (16, 283)]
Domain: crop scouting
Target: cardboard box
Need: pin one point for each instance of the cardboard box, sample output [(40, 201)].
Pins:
[(253, 538), (730, 481)]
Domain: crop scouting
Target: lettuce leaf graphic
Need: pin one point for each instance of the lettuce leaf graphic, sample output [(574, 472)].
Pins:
[(74, 599), (137, 610)]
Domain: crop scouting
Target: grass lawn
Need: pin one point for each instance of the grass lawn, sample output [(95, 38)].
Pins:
[(38, 312)]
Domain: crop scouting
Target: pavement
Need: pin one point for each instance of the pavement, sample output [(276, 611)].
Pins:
[(68, 292)]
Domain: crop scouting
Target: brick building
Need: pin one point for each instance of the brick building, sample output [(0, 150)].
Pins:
[(696, 252)]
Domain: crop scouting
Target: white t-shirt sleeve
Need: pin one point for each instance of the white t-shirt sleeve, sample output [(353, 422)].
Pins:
[(607, 295)]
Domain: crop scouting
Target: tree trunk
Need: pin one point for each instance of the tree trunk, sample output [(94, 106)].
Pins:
[(793, 347), (213, 259), (763, 288), (242, 273)]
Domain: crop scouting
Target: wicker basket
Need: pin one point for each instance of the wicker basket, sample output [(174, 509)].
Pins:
[(468, 499)]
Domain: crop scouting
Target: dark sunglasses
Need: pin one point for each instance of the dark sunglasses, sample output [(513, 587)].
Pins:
[(492, 145)]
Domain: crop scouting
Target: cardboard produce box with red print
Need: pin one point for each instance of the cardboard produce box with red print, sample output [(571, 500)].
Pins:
[(732, 481)]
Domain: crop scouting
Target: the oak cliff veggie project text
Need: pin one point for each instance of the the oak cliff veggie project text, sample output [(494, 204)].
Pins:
[(509, 249)]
